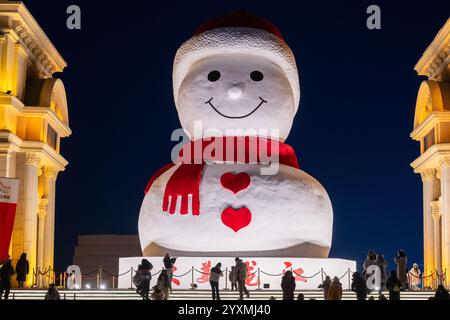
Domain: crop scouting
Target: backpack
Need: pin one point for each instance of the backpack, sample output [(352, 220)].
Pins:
[(137, 279)]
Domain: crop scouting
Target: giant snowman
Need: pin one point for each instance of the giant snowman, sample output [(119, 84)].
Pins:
[(236, 89)]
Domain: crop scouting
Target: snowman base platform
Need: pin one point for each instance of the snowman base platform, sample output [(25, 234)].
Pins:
[(263, 272)]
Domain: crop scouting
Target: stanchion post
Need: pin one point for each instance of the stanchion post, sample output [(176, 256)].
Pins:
[(226, 278), (113, 282), (321, 273), (100, 271), (445, 277), (98, 280), (39, 278), (192, 273), (131, 278), (259, 279), (349, 279)]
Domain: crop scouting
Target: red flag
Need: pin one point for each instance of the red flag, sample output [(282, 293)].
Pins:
[(9, 191)]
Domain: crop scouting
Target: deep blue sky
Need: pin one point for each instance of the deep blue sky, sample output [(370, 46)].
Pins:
[(351, 131)]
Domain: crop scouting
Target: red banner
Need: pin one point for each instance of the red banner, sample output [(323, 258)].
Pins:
[(9, 191)]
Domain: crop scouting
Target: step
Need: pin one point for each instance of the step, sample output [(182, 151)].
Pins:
[(122, 294)]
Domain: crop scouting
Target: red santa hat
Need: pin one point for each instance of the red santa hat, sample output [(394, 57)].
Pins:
[(241, 33)]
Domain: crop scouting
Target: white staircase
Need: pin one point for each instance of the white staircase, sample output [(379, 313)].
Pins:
[(120, 294)]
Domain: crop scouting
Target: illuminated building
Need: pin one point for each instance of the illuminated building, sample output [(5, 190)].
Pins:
[(33, 119), (432, 130)]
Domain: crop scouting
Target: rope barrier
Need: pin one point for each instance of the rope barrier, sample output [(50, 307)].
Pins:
[(89, 273), (306, 277), (271, 275), (346, 272), (182, 275), (155, 274), (207, 273), (122, 274), (116, 275), (343, 275)]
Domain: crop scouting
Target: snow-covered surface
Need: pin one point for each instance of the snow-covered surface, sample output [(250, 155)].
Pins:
[(288, 209), (270, 270), (277, 112), (242, 41), (291, 213)]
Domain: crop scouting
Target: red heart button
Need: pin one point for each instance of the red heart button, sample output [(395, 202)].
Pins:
[(236, 219), (235, 182)]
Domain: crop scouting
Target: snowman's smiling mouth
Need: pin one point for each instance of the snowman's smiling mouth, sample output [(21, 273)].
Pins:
[(235, 117)]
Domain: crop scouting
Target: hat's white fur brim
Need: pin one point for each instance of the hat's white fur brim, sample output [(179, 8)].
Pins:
[(235, 40)]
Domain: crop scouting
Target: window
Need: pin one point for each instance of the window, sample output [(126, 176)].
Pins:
[(428, 141), (52, 137)]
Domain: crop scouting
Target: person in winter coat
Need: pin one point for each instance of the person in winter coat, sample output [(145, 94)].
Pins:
[(359, 286), (22, 269), (163, 283), (6, 272), (394, 285), (370, 261), (214, 277), (52, 293), (325, 286), (232, 277), (169, 262), (288, 285), (157, 294), (382, 264), (402, 262), (414, 279), (335, 292), (145, 275), (441, 293), (241, 276)]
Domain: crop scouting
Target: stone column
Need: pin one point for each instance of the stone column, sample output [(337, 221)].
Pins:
[(42, 213), (445, 210), (436, 213), (28, 193), (428, 178), (5, 157), (50, 175)]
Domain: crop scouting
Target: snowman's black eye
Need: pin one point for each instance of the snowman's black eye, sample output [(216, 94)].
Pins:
[(214, 76), (256, 76)]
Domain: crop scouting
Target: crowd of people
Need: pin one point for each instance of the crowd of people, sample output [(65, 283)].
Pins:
[(163, 287), (398, 280), (7, 271)]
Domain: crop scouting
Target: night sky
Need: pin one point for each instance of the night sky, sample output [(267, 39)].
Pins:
[(358, 92)]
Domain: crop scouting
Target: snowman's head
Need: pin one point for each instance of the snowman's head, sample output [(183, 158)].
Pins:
[(238, 80)]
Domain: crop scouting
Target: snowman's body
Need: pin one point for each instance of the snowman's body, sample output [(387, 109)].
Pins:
[(291, 215), (244, 79)]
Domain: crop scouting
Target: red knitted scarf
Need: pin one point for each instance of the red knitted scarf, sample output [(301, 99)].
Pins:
[(193, 156)]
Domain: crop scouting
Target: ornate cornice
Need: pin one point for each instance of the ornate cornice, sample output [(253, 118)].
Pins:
[(436, 55), (18, 22), (33, 47)]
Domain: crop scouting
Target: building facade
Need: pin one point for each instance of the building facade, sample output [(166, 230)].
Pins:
[(432, 130), (33, 119), (102, 252)]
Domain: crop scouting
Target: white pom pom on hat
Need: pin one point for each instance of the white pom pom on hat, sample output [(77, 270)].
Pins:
[(237, 32)]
